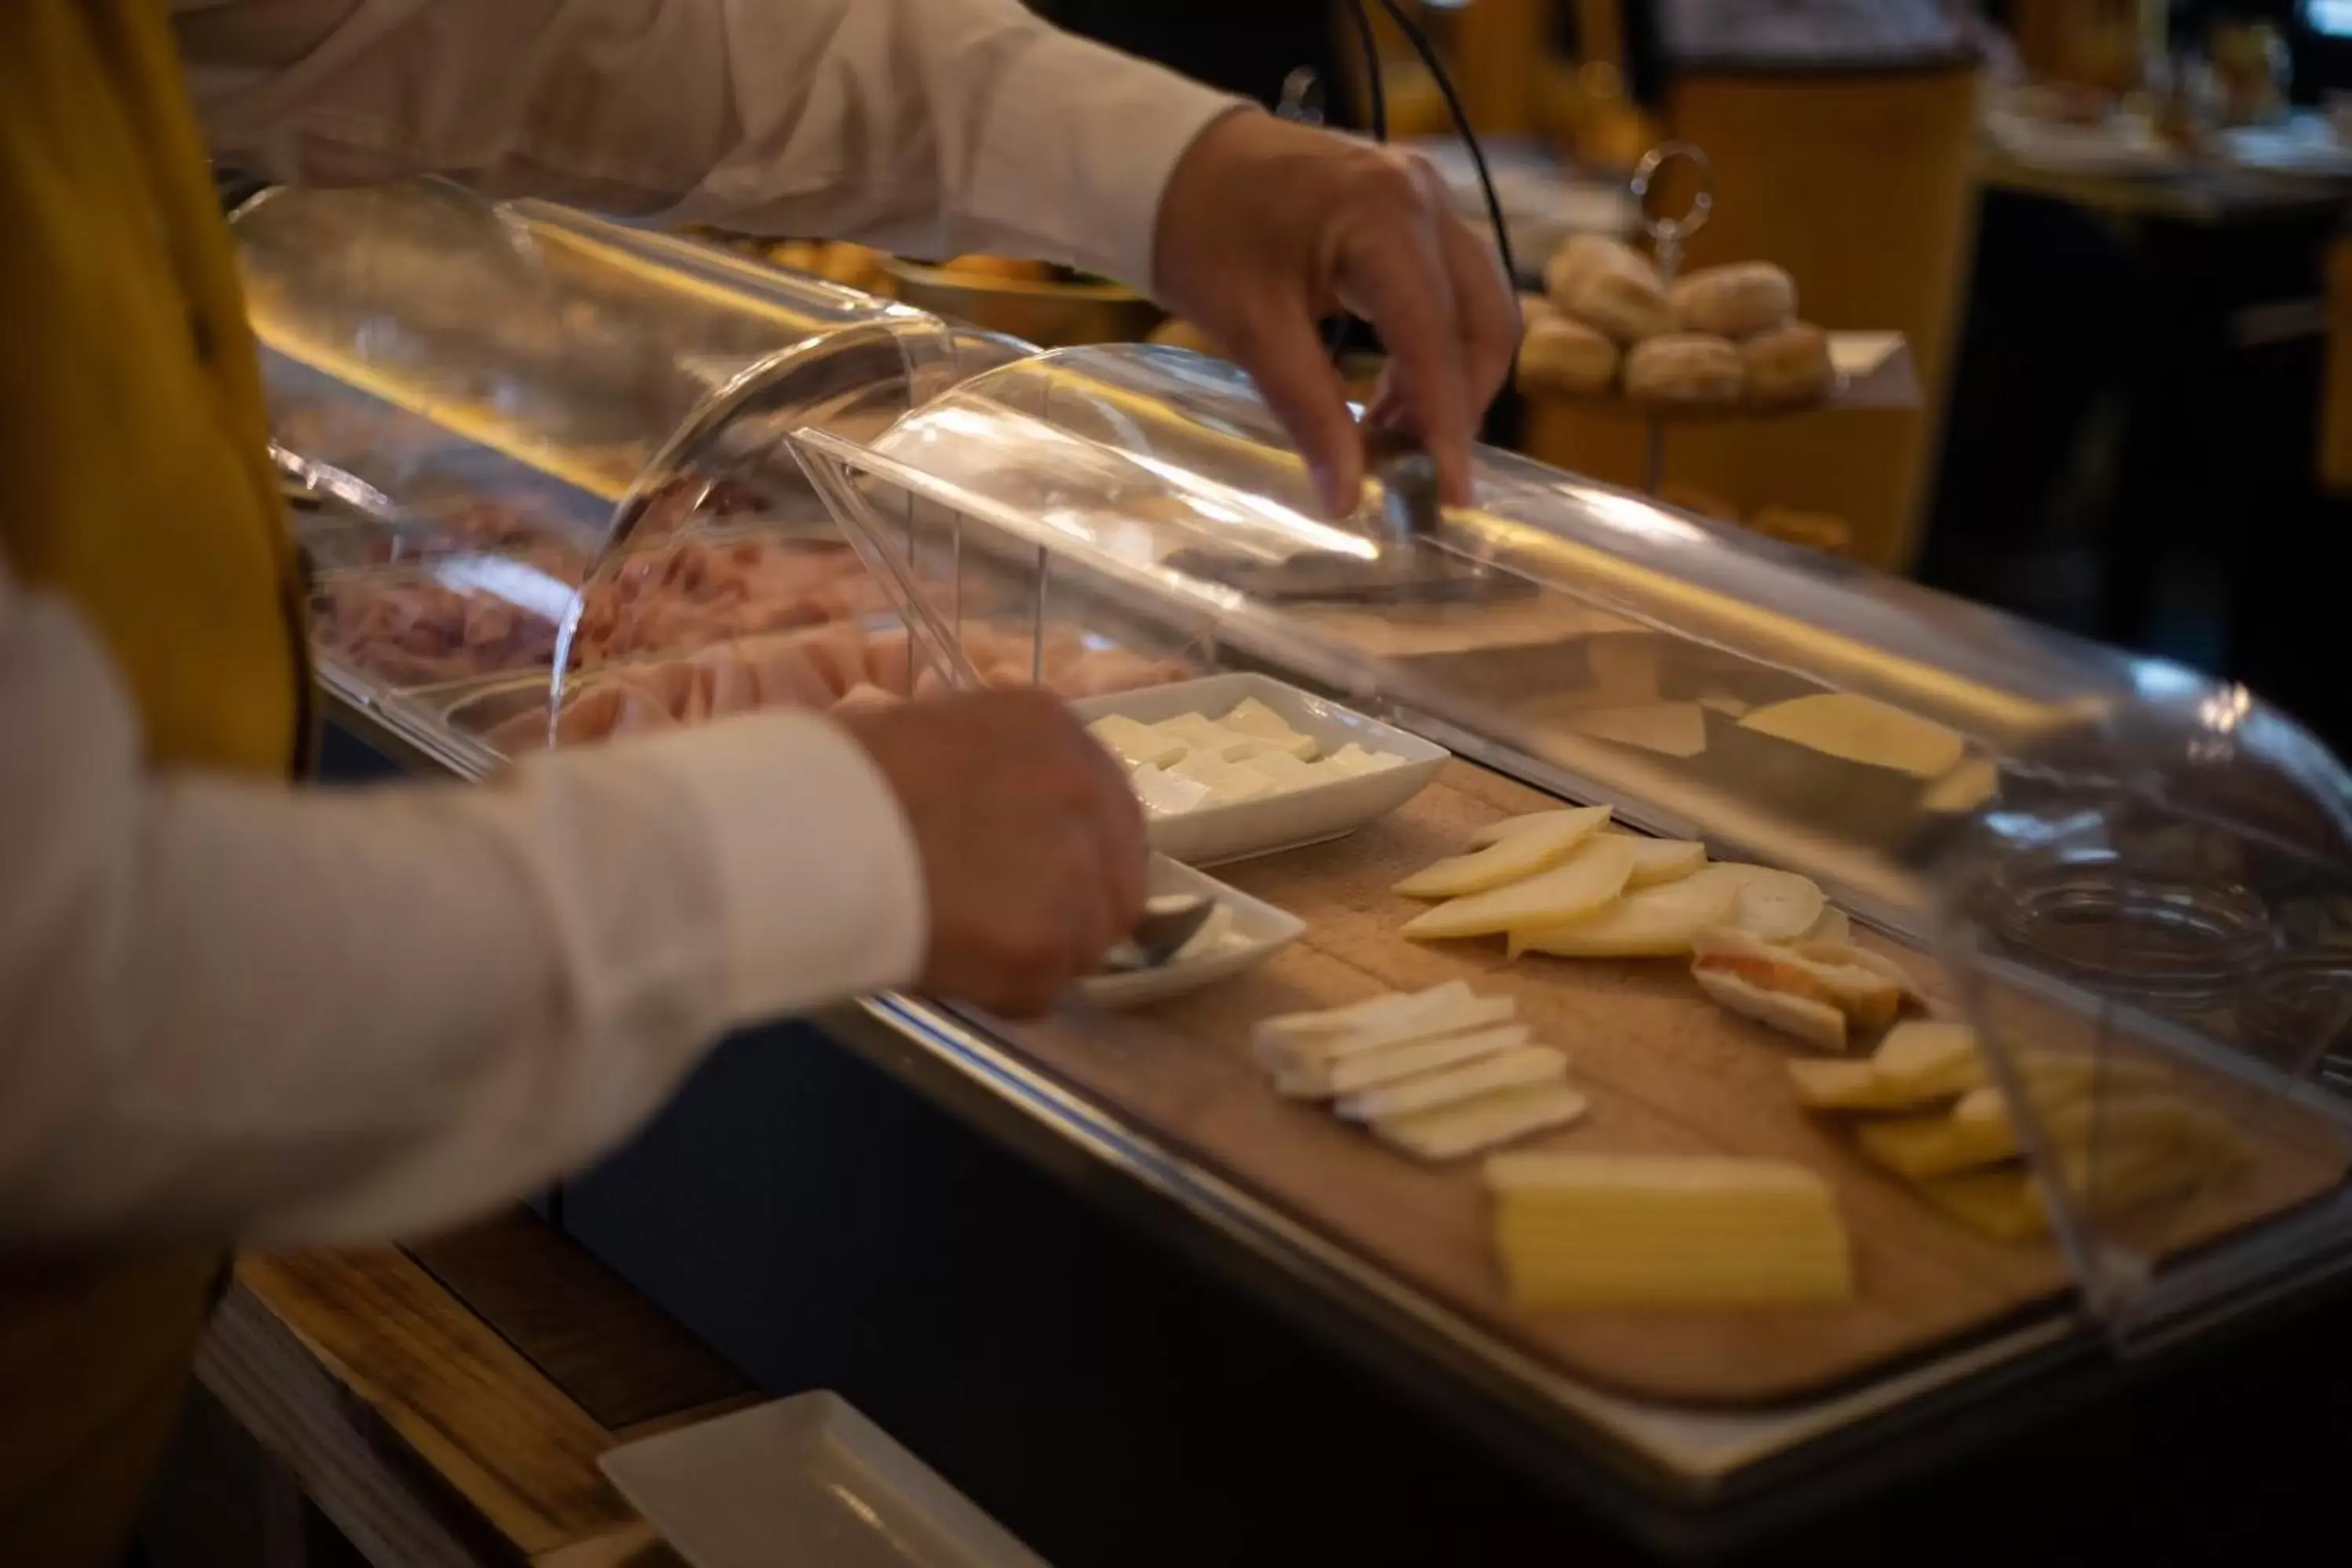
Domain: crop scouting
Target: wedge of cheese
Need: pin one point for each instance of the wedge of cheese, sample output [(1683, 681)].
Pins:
[(1655, 1231), (1594, 873), (1348, 1074), (2010, 1203), (1502, 827), (1859, 729), (1513, 1068), (1657, 861), (1812, 990), (1485, 1121), (1980, 1131), (1512, 858), (1652, 922)]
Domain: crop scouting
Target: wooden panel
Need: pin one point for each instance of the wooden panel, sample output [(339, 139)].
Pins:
[(616, 1353), (468, 1406), (1667, 1072)]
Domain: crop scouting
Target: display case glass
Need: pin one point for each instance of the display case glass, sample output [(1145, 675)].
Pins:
[(465, 396), (2135, 882)]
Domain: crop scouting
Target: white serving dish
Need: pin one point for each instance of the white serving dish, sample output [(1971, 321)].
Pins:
[(806, 1480), (1290, 817), (1264, 930)]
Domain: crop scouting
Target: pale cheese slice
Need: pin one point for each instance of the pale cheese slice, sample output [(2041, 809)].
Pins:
[(1813, 1021), (1502, 827), (1164, 794), (1352, 761), (1340, 1075), (1290, 1028), (1511, 860), (1669, 729), (1473, 1126), (1965, 788), (1595, 873), (1507, 1069), (1861, 730), (2010, 1203), (1654, 923)]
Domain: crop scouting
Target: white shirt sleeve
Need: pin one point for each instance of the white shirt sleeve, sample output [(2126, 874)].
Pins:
[(929, 126), (237, 1010)]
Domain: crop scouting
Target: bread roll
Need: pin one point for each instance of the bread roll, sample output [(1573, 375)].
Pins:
[(1623, 301), (1583, 255), (1535, 308), (1734, 302), (1566, 359), (1684, 370), (1788, 367)]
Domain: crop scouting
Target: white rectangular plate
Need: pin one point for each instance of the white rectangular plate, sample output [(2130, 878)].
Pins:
[(804, 1479), (1291, 817), (1264, 930)]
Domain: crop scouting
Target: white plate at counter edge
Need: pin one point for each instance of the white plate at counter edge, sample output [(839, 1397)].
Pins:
[(1264, 930)]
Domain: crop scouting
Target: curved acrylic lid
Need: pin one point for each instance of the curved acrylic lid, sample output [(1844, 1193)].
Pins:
[(2105, 854)]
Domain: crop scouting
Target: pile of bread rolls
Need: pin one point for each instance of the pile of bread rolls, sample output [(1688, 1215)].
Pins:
[(1721, 338)]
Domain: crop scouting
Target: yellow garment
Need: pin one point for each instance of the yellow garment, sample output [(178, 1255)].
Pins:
[(136, 484)]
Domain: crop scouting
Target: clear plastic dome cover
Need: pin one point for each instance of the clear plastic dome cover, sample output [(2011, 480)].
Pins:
[(2129, 878)]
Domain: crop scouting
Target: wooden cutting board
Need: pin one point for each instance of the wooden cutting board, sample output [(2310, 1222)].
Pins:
[(1668, 1071)]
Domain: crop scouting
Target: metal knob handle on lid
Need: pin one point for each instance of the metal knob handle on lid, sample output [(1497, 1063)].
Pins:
[(1669, 235)]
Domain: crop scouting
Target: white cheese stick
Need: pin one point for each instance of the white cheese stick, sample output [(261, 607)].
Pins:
[(1136, 744), (1505, 1069), (1454, 1017), (1288, 1027), (1367, 1070), (1471, 1126)]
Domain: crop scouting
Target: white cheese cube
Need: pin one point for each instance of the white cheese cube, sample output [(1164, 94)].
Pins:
[(1136, 745), (1285, 771), (1165, 793)]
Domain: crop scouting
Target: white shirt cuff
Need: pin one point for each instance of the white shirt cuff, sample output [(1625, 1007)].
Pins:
[(1078, 147), (820, 883)]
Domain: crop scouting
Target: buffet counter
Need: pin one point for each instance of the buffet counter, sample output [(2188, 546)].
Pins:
[(1581, 877)]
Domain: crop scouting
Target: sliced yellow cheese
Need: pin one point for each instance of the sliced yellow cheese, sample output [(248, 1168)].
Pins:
[(1471, 1126), (1965, 788), (2011, 1203), (1979, 1131), (1657, 861), (1502, 827), (1512, 858), (1917, 1064), (1592, 875), (1654, 923), (1642, 1232), (1860, 730)]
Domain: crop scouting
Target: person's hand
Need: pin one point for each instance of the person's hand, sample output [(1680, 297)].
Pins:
[(1266, 227), (1032, 842)]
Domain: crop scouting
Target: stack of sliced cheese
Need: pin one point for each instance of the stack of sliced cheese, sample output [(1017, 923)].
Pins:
[(1560, 882), (1927, 1112), (1439, 1073), (1192, 760), (1585, 1231), (1824, 992)]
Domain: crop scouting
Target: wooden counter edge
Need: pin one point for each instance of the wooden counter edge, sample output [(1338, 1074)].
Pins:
[(413, 1425)]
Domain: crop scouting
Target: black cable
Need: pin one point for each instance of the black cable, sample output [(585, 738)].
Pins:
[(1420, 45)]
